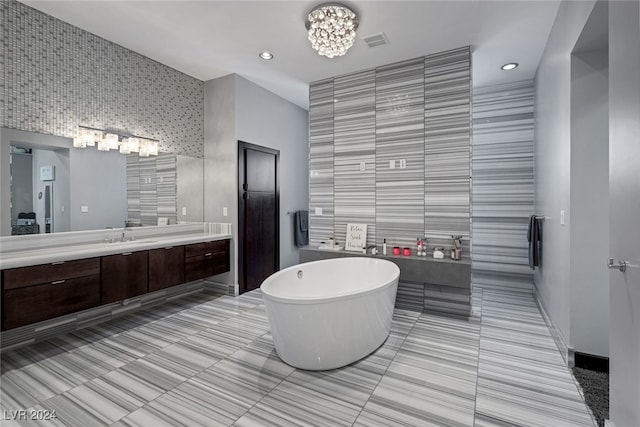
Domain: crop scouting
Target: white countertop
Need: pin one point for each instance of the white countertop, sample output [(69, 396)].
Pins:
[(81, 250)]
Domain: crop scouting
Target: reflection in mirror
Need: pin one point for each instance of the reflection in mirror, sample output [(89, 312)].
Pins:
[(89, 189)]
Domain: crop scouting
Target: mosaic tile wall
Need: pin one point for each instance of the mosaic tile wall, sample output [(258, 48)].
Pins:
[(57, 76), (503, 185), (416, 111)]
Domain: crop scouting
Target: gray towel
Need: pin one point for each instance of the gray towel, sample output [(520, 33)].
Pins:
[(301, 228), (534, 236)]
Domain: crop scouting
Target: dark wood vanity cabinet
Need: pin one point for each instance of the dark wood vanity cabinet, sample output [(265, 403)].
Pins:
[(40, 292), (206, 259), (124, 276), (166, 267)]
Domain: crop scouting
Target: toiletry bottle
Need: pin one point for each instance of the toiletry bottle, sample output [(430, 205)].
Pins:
[(384, 246)]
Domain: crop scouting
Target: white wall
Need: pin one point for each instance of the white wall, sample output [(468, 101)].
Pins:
[(265, 119), (190, 188), (589, 201), (21, 184), (236, 109), (553, 161), (624, 156), (98, 181), (221, 160), (59, 159)]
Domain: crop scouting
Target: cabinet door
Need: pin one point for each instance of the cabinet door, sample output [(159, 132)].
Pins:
[(31, 304), (166, 267), (124, 276)]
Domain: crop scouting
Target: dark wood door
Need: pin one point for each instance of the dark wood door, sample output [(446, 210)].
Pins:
[(124, 276), (166, 267), (258, 243)]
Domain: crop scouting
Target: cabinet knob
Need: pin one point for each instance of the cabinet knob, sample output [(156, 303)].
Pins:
[(57, 263), (126, 253), (169, 247), (57, 282), (207, 254)]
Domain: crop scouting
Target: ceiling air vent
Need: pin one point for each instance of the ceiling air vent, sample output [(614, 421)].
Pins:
[(376, 39)]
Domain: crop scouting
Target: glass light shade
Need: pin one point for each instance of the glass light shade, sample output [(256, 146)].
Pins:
[(134, 144), (112, 141), (153, 148), (103, 145), (79, 142), (332, 29), (124, 146), (144, 148)]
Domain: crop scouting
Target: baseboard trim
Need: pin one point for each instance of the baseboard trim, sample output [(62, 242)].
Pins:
[(556, 333), (591, 362)]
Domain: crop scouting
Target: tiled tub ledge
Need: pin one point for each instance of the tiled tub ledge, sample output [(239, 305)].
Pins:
[(426, 284)]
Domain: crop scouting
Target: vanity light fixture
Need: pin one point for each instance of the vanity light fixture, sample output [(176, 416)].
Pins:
[(266, 55), (105, 141), (331, 29), (509, 66)]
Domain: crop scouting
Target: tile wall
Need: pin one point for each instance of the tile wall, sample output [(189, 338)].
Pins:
[(503, 185), (362, 125)]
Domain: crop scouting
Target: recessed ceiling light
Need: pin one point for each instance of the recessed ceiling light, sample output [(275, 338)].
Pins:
[(266, 55), (509, 66)]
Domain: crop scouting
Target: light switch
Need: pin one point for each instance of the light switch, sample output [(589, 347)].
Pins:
[(318, 211), (84, 208), (562, 217), (184, 210), (225, 211), (392, 164)]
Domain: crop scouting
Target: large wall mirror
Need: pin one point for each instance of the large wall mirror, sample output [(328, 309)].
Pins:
[(47, 186)]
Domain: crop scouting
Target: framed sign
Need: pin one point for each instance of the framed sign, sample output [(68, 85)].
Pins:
[(356, 237)]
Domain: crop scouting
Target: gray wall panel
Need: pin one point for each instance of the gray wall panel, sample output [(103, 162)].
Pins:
[(503, 186)]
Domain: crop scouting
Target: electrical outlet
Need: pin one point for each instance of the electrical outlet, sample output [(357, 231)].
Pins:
[(84, 208), (562, 217), (318, 211), (225, 211), (392, 164), (403, 163), (363, 166), (184, 210)]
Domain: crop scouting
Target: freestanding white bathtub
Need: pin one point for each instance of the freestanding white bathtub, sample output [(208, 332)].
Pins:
[(330, 313)]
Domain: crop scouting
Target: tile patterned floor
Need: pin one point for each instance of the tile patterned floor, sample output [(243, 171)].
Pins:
[(203, 360)]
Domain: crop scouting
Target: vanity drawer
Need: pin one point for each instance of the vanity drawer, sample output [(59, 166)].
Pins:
[(210, 258), (14, 278), (26, 305), (196, 249)]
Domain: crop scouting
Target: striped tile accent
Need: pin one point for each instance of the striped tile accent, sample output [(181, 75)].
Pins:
[(203, 360), (503, 185), (133, 188), (354, 128), (321, 169), (166, 187), (152, 188), (447, 127), (422, 117), (399, 133)]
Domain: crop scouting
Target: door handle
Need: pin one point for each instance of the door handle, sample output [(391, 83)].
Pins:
[(621, 265), (245, 195)]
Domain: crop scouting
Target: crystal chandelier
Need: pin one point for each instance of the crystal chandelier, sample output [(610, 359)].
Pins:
[(332, 29)]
